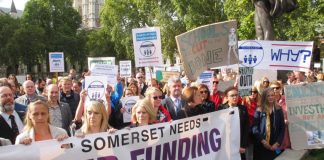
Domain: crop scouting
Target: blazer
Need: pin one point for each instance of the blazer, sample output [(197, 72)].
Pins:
[(66, 116), (24, 101), (169, 105), (55, 132), (72, 100), (6, 131), (244, 123), (143, 90), (277, 127)]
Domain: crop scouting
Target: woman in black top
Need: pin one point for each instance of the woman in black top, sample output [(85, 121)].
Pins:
[(193, 106), (208, 105)]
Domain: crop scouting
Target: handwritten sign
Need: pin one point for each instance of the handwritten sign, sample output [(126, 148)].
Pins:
[(305, 106), (208, 46), (245, 82)]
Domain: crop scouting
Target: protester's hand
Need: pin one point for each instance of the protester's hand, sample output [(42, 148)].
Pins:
[(122, 110), (83, 95), (79, 135), (266, 144), (26, 141), (62, 137), (274, 146), (286, 122), (242, 150), (112, 130)]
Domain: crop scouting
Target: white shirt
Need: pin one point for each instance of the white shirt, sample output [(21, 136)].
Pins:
[(17, 119)]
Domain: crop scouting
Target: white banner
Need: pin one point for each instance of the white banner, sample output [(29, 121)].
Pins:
[(147, 47), (100, 60), (128, 103), (125, 68), (110, 71), (210, 136), (276, 55), (96, 88), (56, 61)]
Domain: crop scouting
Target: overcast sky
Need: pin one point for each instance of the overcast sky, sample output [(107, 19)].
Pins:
[(20, 4)]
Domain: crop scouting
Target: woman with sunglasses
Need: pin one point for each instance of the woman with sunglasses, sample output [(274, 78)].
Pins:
[(281, 100), (193, 100), (155, 96), (268, 127), (232, 96), (251, 102), (208, 105)]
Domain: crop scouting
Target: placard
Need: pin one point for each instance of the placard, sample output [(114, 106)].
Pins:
[(56, 61)]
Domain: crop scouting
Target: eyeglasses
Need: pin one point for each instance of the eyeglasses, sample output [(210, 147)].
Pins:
[(277, 88), (233, 95), (139, 77), (156, 97), (215, 82), (202, 92)]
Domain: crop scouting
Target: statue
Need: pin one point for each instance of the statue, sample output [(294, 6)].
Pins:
[(265, 11)]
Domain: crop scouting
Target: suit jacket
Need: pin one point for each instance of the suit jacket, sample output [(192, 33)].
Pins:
[(244, 123), (143, 90), (6, 131), (66, 116), (72, 100), (170, 105)]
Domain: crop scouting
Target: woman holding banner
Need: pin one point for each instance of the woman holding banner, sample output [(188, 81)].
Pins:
[(155, 95), (268, 127), (95, 120), (38, 126), (142, 113), (232, 96), (208, 105)]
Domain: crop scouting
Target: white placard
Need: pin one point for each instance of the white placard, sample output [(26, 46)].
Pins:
[(110, 71), (100, 60), (276, 55), (56, 61), (96, 88), (125, 68), (128, 103), (147, 47)]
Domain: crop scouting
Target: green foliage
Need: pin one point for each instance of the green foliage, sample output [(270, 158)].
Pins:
[(99, 44)]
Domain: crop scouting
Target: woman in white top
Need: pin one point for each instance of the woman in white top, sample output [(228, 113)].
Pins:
[(38, 126)]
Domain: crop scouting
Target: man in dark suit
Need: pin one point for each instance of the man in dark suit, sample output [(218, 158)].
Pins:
[(60, 112), (231, 94), (174, 103), (141, 82), (10, 121), (67, 95)]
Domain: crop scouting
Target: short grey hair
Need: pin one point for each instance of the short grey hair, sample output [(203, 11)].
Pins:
[(173, 80)]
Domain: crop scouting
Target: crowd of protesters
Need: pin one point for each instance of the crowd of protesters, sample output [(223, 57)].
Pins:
[(42, 109)]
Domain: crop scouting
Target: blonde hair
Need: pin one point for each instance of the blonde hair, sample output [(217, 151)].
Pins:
[(97, 107), (148, 106), (29, 124), (149, 91)]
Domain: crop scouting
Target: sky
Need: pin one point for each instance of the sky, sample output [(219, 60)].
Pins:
[(20, 4)]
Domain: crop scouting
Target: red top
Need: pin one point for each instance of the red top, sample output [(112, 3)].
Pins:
[(251, 107), (163, 115), (217, 99)]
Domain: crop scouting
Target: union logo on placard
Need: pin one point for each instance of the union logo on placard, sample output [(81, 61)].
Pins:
[(96, 90), (251, 53), (147, 49), (129, 104)]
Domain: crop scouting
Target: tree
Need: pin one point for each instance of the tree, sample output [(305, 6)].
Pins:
[(59, 21)]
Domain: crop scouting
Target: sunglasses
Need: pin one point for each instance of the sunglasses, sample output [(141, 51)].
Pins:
[(157, 97), (266, 82), (277, 88), (202, 92), (215, 82)]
